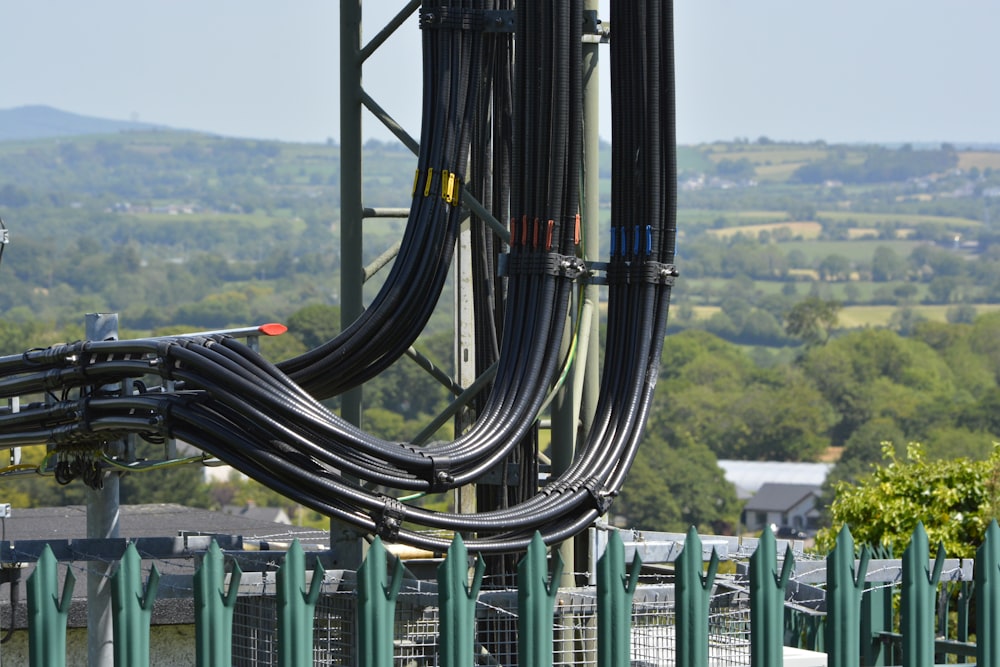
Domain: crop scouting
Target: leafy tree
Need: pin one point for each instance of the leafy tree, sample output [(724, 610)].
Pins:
[(955, 499), (835, 267), (887, 265), (315, 324), (812, 319), (673, 487)]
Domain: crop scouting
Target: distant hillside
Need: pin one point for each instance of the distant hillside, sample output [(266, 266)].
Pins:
[(42, 122)]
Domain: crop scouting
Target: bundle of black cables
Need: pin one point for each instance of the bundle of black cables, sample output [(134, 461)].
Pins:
[(251, 414), (452, 77)]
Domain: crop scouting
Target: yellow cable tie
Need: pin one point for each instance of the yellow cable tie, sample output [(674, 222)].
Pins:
[(427, 184), (450, 190), (416, 181)]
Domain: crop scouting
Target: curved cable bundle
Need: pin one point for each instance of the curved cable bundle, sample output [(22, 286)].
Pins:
[(452, 64), (266, 423)]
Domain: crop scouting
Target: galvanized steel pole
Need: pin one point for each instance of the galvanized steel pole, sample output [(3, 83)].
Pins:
[(103, 521)]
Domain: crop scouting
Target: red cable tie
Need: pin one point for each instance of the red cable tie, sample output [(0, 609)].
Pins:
[(548, 235), (576, 235), (524, 230), (534, 242)]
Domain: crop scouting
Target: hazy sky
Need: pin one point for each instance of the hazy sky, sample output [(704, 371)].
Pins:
[(852, 70)]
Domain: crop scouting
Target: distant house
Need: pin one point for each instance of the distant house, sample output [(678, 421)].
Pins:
[(789, 507), (750, 476)]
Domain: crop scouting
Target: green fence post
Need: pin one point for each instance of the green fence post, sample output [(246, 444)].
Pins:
[(214, 606), (457, 605), (377, 607), (296, 608), (614, 603), (918, 600), (694, 593), (845, 587), (767, 602), (132, 609), (536, 601), (876, 618), (48, 612), (987, 579)]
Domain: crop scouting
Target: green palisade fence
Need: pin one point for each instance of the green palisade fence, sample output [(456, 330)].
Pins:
[(857, 626), (917, 605), (457, 605), (845, 586), (615, 592), (536, 604), (767, 602), (48, 612), (214, 607), (132, 609), (296, 608), (377, 596), (694, 594)]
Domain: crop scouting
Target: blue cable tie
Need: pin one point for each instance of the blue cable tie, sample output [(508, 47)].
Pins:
[(635, 245), (649, 240)]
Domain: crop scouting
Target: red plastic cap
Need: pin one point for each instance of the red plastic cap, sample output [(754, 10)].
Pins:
[(272, 329)]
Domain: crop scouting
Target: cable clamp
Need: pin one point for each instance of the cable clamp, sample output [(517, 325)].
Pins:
[(657, 273), (457, 18), (451, 184), (441, 479), (390, 519), (544, 263), (601, 496)]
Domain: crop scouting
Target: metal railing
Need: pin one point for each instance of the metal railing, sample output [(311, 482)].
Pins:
[(862, 611)]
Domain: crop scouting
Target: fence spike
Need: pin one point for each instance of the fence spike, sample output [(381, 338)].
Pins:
[(615, 591), (457, 605), (694, 593), (377, 607), (767, 600), (845, 587), (536, 597), (918, 599), (132, 609), (48, 612), (214, 607), (296, 608)]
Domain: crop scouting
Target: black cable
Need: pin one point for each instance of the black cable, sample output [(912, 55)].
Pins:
[(266, 421)]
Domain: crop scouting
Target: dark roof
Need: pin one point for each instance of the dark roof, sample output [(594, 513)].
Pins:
[(161, 520), (776, 497), (60, 527)]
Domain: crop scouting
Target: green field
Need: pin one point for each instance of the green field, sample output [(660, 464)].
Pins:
[(895, 219), (859, 317), (860, 250)]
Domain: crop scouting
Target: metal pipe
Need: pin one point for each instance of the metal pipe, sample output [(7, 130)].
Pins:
[(379, 262), (386, 32), (103, 521), (390, 123)]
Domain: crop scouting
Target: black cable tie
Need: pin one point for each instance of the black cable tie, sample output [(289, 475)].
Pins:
[(458, 18), (601, 496), (441, 477), (390, 519), (543, 263)]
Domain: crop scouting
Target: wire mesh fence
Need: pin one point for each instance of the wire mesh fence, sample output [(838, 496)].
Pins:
[(417, 632)]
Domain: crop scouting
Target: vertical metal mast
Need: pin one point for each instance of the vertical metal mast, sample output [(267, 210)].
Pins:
[(345, 541)]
